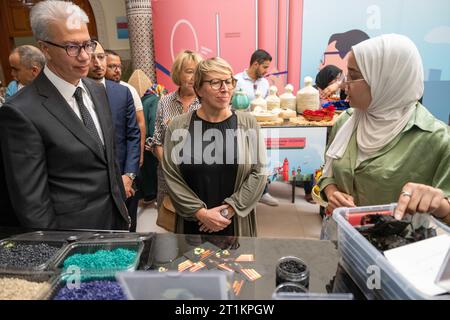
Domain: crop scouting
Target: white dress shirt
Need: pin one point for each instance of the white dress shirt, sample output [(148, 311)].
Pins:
[(249, 86), (67, 90), (137, 100)]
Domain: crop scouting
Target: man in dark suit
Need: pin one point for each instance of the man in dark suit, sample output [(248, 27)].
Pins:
[(127, 133), (56, 136)]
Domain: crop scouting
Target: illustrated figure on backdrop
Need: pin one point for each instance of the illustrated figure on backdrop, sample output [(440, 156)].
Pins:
[(339, 46), (336, 54)]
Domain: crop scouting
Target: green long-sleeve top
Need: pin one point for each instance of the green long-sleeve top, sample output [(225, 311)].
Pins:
[(251, 176), (420, 154)]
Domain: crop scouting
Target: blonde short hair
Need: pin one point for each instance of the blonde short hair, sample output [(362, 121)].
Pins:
[(181, 58), (204, 67)]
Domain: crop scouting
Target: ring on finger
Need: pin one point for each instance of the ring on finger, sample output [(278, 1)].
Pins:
[(406, 194)]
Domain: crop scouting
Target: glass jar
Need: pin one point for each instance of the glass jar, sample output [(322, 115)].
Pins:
[(292, 269), (290, 287)]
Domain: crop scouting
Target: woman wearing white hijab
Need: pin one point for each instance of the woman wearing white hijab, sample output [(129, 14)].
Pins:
[(388, 138)]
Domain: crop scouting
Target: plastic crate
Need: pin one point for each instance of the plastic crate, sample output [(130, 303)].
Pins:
[(90, 247), (358, 254)]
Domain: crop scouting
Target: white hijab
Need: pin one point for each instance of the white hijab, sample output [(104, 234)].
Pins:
[(392, 67)]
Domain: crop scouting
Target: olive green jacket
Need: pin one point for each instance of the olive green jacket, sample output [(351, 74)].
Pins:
[(251, 175), (420, 154)]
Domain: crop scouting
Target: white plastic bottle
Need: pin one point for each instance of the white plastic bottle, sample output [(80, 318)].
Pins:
[(287, 99), (273, 102), (308, 98), (258, 102)]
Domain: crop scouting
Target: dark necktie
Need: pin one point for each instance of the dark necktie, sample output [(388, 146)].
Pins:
[(86, 116)]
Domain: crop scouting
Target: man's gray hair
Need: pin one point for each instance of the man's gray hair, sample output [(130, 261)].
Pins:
[(30, 56), (46, 12)]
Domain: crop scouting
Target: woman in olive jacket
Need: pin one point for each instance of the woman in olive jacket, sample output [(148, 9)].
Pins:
[(215, 159)]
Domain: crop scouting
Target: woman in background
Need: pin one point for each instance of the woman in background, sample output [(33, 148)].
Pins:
[(176, 103), (329, 82)]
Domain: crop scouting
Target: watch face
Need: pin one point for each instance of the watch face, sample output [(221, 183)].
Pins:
[(224, 212)]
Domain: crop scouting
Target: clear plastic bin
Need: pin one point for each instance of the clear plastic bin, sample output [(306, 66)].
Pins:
[(358, 256), (63, 236), (47, 265), (34, 276), (121, 236), (311, 296), (90, 247), (152, 285)]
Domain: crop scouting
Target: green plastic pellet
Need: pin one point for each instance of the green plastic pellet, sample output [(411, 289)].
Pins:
[(102, 259)]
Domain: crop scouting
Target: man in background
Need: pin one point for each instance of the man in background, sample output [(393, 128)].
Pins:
[(26, 63), (127, 134), (114, 73), (249, 81), (253, 78)]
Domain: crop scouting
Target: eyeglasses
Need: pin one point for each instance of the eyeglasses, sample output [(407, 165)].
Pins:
[(344, 79), (99, 56), (114, 66), (73, 50), (216, 84)]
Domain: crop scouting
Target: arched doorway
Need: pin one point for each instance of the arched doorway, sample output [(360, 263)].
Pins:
[(15, 27)]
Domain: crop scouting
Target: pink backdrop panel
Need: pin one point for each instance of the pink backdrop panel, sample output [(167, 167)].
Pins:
[(195, 25)]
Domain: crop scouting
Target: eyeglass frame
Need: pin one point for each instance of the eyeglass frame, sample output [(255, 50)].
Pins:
[(79, 47), (114, 66), (222, 82), (345, 81), (99, 55)]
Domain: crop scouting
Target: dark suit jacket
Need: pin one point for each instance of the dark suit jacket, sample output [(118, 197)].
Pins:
[(54, 174), (127, 133)]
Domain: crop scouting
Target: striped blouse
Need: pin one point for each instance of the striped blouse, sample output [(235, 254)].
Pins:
[(169, 107)]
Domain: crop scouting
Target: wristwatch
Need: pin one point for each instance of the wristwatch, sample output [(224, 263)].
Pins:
[(131, 175), (224, 212)]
